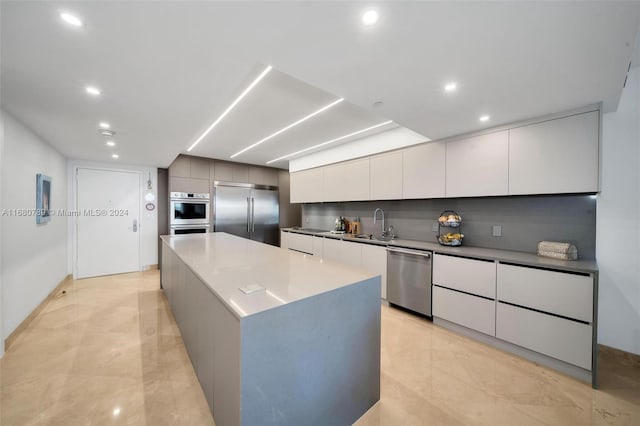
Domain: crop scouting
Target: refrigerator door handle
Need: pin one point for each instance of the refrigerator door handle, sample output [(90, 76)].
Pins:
[(253, 211), (248, 215)]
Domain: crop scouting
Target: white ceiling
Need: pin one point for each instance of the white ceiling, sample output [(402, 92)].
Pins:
[(168, 69), (276, 102)]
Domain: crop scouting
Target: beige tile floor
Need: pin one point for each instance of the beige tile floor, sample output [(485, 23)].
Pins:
[(109, 352)]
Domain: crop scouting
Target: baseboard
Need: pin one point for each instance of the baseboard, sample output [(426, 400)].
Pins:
[(150, 267), (619, 356), (11, 339)]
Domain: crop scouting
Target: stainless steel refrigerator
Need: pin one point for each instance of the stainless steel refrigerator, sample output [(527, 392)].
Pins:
[(246, 210)]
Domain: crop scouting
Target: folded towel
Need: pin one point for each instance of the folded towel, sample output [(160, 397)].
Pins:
[(557, 250), (554, 246)]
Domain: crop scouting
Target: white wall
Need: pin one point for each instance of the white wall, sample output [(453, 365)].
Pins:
[(148, 219), (34, 257), (618, 222), (369, 145)]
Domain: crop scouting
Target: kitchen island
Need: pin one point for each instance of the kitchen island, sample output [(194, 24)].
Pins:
[(274, 337)]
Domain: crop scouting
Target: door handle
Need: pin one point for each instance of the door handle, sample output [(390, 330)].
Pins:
[(253, 211), (248, 214), (411, 252), (135, 225)]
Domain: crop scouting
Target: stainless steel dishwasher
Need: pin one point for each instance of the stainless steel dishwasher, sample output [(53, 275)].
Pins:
[(409, 279)]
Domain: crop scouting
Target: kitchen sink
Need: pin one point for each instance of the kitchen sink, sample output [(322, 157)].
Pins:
[(364, 236)]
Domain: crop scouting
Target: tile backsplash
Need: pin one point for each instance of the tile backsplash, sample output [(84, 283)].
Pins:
[(524, 220)]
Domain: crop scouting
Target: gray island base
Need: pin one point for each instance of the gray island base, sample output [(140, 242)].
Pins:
[(303, 350)]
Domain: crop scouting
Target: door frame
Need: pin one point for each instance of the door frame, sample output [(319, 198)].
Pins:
[(74, 208)]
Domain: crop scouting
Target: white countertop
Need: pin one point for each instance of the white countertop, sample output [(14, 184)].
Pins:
[(510, 256), (226, 262)]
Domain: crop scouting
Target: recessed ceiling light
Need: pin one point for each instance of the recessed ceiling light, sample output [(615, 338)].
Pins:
[(104, 125), (378, 104), (115, 156), (71, 19), (230, 107), (111, 143), (370, 17), (329, 142), (93, 90), (450, 87), (107, 132), (484, 118), (284, 129)]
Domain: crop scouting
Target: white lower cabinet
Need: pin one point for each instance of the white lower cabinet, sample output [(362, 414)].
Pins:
[(559, 338), (473, 312), (469, 275), (317, 246), (284, 240), (546, 311), (331, 250), (351, 253), (344, 252), (300, 242), (371, 258), (374, 260), (554, 312), (561, 293)]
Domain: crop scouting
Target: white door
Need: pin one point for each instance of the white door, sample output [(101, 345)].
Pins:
[(108, 222)]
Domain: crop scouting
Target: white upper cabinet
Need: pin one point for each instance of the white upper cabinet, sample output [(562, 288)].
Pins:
[(550, 157), (386, 176), (556, 156), (306, 186), (423, 171), (478, 166), (347, 181)]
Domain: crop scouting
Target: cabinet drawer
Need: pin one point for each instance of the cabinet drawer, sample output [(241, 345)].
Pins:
[(284, 240), (468, 275), (317, 244), (559, 293), (470, 311), (299, 242), (559, 338)]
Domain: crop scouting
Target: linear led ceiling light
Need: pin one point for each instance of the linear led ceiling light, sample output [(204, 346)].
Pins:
[(329, 142), (233, 104), (303, 119)]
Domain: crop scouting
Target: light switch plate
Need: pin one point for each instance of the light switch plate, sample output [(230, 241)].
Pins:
[(434, 226), (497, 230)]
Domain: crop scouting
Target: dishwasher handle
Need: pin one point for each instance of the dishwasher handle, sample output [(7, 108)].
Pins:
[(426, 254)]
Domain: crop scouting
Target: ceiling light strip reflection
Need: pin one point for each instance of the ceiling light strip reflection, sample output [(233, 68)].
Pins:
[(329, 142), (303, 119), (233, 104)]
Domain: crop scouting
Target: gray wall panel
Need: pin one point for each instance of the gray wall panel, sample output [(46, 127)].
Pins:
[(524, 220)]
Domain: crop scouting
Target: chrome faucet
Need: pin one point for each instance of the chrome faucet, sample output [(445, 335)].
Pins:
[(375, 216)]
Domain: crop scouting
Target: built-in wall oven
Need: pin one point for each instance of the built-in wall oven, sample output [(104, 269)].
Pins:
[(188, 229), (188, 213)]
